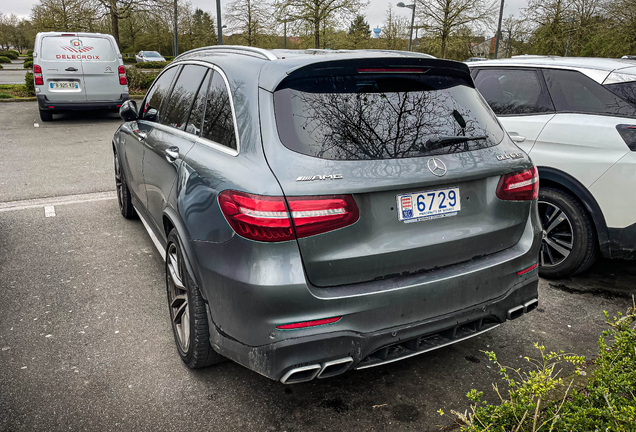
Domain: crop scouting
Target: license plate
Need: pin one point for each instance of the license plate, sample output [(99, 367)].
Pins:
[(432, 204), (64, 85)]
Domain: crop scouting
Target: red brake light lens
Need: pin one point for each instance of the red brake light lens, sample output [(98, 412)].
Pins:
[(519, 186), (37, 75), (121, 70), (267, 219), (37, 69)]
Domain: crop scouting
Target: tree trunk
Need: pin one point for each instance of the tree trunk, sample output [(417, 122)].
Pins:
[(317, 33), (114, 21), (443, 51)]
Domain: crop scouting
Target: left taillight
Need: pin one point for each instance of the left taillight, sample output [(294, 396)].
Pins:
[(121, 70), (519, 186), (37, 75), (267, 218)]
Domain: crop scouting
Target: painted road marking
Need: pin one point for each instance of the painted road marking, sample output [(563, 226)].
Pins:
[(49, 211), (56, 201)]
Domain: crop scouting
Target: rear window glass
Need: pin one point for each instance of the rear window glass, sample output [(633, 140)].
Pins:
[(513, 91), (381, 116), (624, 90), (77, 48), (218, 125)]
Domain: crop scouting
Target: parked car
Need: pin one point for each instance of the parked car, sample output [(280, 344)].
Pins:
[(78, 71), (474, 59), (149, 56), (321, 211), (576, 118)]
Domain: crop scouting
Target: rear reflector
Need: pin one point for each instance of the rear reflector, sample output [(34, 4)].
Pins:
[(519, 186), (391, 70), (51, 106), (527, 270), (628, 133), (306, 324), (267, 218)]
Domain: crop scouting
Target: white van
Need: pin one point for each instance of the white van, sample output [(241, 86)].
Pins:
[(78, 71)]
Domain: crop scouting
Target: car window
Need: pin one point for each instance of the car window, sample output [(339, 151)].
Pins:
[(624, 90), (382, 116), (196, 115), (572, 91), (513, 91), (157, 94), (218, 125), (182, 95)]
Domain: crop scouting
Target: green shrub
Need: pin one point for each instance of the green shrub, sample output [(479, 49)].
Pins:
[(169, 58), (4, 59), (540, 400), (139, 81), (30, 53), (129, 60), (29, 84), (11, 55), (28, 65), (27, 58), (1, 67), (152, 65), (14, 52)]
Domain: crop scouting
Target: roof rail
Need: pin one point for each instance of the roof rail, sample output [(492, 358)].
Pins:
[(238, 49)]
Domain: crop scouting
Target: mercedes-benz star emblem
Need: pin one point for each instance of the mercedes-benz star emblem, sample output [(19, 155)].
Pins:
[(437, 167)]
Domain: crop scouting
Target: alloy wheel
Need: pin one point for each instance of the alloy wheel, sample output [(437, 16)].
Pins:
[(178, 298), (558, 236)]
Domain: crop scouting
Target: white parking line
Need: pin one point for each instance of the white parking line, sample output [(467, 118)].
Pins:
[(56, 201), (49, 211)]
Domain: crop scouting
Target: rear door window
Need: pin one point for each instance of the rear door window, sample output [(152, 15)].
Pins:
[(61, 48), (157, 94), (182, 95), (381, 116), (574, 92), (513, 91), (97, 48), (218, 125), (196, 115)]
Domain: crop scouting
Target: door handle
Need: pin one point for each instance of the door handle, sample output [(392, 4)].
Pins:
[(516, 137), (70, 69), (172, 154), (141, 135)]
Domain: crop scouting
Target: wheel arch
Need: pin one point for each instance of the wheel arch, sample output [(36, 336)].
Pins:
[(552, 177)]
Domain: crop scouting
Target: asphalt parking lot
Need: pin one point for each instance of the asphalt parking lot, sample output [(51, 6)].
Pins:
[(86, 342)]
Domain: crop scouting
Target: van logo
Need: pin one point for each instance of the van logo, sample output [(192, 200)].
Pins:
[(437, 167), (108, 70), (77, 46), (320, 177)]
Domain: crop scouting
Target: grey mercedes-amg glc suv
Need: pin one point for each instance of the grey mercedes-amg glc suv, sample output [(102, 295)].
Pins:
[(320, 211)]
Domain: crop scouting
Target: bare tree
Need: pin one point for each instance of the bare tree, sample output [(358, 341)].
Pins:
[(442, 17), (316, 12), (394, 30), (248, 19), (118, 9), (70, 15)]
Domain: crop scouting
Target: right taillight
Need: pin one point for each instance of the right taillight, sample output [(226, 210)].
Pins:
[(37, 75), (628, 133), (519, 186), (267, 218)]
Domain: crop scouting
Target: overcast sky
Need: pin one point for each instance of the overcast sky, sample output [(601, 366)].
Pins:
[(375, 12)]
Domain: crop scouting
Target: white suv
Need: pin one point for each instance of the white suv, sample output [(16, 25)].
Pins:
[(576, 118)]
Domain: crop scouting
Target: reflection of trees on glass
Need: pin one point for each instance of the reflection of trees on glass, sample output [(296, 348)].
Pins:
[(383, 125), (219, 125), (182, 95)]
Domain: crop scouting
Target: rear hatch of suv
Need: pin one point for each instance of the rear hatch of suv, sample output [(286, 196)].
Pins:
[(414, 145)]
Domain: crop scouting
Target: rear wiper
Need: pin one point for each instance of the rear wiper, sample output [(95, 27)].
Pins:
[(445, 141)]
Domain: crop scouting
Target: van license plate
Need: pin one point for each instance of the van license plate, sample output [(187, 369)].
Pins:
[(432, 204), (64, 85)]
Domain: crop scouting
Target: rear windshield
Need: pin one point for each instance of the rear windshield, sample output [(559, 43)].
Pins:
[(381, 116)]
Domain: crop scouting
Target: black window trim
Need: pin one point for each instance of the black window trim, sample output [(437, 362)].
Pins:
[(542, 83)]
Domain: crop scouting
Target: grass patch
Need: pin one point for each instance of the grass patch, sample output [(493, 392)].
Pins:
[(542, 400), (10, 91)]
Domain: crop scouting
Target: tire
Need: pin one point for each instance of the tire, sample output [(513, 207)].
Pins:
[(123, 193), (569, 244), (187, 311), (46, 116)]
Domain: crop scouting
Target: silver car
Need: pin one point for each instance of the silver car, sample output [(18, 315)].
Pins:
[(149, 56), (321, 211)]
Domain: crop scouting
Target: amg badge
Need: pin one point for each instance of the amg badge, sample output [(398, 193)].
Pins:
[(510, 156), (320, 177)]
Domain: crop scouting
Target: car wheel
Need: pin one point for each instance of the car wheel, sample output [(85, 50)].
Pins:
[(46, 115), (568, 245), (123, 193), (187, 311)]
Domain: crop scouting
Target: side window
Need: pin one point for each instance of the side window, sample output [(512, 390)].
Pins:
[(156, 95), (218, 125), (572, 91), (196, 115), (182, 96), (513, 91)]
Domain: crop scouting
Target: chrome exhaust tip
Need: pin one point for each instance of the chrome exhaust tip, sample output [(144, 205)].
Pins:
[(334, 367), (516, 312), (301, 374), (531, 305)]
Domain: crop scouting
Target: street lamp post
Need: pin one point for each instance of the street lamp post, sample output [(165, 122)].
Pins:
[(499, 29), (285, 21), (567, 48), (218, 21), (176, 34), (411, 6)]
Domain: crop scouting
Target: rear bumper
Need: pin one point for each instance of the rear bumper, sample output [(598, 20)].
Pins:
[(45, 105), (622, 242)]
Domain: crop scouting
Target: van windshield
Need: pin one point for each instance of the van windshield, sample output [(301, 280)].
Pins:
[(382, 116)]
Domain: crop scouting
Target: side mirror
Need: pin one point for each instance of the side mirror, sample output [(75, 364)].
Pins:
[(150, 114), (128, 110)]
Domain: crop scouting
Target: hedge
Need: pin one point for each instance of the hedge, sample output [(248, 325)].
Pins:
[(11, 55), (152, 65), (29, 85), (139, 81), (129, 60), (169, 58), (28, 65), (4, 59), (30, 53), (14, 51)]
